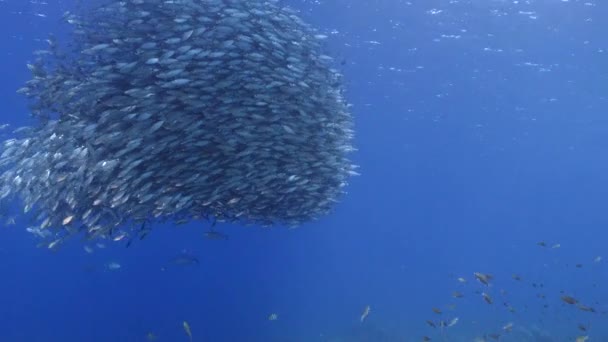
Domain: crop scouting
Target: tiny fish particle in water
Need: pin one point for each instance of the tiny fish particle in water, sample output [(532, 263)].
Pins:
[(483, 278), (365, 313), (569, 300), (187, 329)]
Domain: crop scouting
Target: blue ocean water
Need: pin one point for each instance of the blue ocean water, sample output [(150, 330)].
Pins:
[(480, 127)]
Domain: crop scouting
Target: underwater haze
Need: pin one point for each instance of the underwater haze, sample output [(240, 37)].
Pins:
[(479, 213)]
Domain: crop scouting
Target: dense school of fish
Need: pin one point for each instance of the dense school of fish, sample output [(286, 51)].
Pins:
[(176, 110)]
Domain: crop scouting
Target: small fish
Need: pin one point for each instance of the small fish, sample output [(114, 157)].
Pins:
[(151, 337), (184, 259), (365, 313), (508, 327), (120, 236), (187, 330), (568, 299), (462, 280), (215, 235), (585, 308), (516, 277), (54, 244), (483, 278), (542, 244), (582, 338), (426, 338), (436, 310), (68, 219), (273, 317), (487, 298), (457, 294), (557, 245), (597, 259), (431, 323), (582, 327), (88, 249), (113, 266), (453, 322), (143, 232), (494, 336)]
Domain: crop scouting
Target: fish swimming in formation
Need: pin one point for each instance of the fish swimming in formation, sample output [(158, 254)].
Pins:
[(176, 111)]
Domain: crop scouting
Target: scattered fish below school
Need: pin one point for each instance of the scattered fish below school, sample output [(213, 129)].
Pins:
[(151, 337), (457, 294), (585, 308), (365, 313), (483, 278), (185, 258), (157, 118), (113, 266), (597, 259), (569, 300), (452, 322), (187, 330), (215, 235), (486, 297), (273, 317)]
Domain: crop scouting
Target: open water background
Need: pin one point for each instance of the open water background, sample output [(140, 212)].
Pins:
[(482, 130)]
